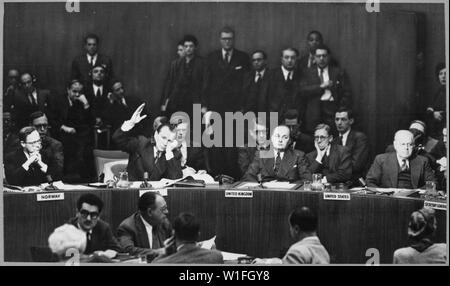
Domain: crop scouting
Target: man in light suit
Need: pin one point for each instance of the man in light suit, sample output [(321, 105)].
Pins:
[(281, 162), (355, 141), (400, 169), (160, 159), (82, 64), (323, 89), (145, 231), (185, 250), (333, 161)]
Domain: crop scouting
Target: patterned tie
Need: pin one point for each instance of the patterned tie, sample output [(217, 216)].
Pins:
[(404, 166), (277, 163), (158, 155), (32, 99), (321, 75)]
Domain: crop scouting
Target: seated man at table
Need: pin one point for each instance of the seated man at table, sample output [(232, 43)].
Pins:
[(160, 159), (100, 239), (185, 250), (422, 249), (281, 162), (27, 166), (307, 249), (402, 168), (145, 231), (333, 161)]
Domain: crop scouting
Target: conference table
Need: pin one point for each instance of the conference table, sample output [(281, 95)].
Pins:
[(252, 222)]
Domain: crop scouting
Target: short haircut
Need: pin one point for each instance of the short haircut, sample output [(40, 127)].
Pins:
[(322, 47), (180, 42), (186, 227), (72, 82), (304, 218), (291, 114), (92, 36), (91, 199), (439, 67), (323, 126), (315, 32), (33, 77), (422, 224), (190, 38), (146, 201), (289, 49), (25, 131), (98, 65), (35, 115), (160, 120), (282, 125), (114, 81), (227, 30), (260, 52), (346, 109), (170, 126)]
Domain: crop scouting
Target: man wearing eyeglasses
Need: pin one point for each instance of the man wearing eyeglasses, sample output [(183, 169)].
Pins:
[(333, 161), (281, 162), (26, 166), (99, 237), (402, 168)]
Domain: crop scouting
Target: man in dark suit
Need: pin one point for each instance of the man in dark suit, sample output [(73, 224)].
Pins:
[(83, 64), (246, 153), (281, 163), (186, 82), (145, 231), (300, 140), (400, 169), (356, 142), (27, 166), (72, 122), (307, 60), (160, 159), (323, 89), (97, 93), (12, 84), (28, 99), (283, 84), (333, 161), (185, 250), (100, 238), (254, 92)]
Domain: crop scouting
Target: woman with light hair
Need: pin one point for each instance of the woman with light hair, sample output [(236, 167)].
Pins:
[(67, 237), (422, 250)]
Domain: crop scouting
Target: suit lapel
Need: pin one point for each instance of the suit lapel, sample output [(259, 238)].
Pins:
[(415, 172), (286, 163), (142, 232), (393, 169), (267, 162)]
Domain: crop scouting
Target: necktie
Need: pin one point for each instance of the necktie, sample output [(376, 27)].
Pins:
[(310, 60), (258, 77), (277, 163), (341, 141), (289, 76), (98, 94), (325, 161), (88, 242), (227, 57), (32, 99), (158, 155), (404, 166), (321, 75)]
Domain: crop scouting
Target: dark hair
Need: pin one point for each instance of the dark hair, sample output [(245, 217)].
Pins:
[(25, 131), (322, 47), (98, 65), (439, 67), (170, 126), (180, 42), (91, 199), (186, 227), (190, 38), (304, 218), (147, 200), (227, 30), (36, 114), (260, 52), (160, 120), (317, 33), (72, 82), (323, 126), (346, 109), (113, 82), (33, 77), (289, 49), (92, 36)]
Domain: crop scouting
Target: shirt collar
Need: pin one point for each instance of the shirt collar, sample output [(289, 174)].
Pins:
[(400, 160), (224, 52), (260, 72), (325, 69), (146, 224), (345, 136), (286, 72), (80, 228), (276, 152)]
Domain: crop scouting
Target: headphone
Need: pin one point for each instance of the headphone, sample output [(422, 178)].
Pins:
[(32, 75)]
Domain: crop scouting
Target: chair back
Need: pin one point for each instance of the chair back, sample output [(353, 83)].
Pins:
[(104, 156), (112, 169), (42, 254)]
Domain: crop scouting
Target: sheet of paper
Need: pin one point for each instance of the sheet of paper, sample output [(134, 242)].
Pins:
[(231, 256), (248, 185), (278, 185), (208, 244)]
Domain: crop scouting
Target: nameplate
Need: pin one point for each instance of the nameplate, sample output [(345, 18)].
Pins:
[(238, 194), (162, 192), (435, 205), (50, 197), (336, 196)]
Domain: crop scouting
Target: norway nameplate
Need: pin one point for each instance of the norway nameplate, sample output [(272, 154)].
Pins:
[(50, 197)]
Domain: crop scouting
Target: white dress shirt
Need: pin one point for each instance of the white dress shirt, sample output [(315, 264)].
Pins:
[(344, 137), (96, 87), (286, 73), (326, 96), (94, 58), (148, 229), (229, 52)]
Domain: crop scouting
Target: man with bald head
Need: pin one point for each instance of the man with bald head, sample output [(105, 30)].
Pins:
[(281, 162), (402, 168)]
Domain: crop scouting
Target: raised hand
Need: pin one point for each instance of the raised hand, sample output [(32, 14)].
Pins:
[(136, 117)]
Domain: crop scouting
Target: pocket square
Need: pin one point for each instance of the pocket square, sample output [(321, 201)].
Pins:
[(295, 166), (238, 68)]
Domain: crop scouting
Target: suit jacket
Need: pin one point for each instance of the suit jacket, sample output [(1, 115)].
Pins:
[(293, 167), (17, 175), (339, 164), (97, 104), (304, 142), (307, 251), (23, 108), (225, 81), (81, 68), (385, 168), (254, 95), (185, 84), (358, 144), (191, 254), (281, 96), (197, 158), (133, 237), (311, 92), (102, 237), (142, 158)]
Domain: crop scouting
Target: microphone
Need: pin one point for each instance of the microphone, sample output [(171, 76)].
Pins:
[(145, 183), (50, 186), (260, 181), (362, 182)]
